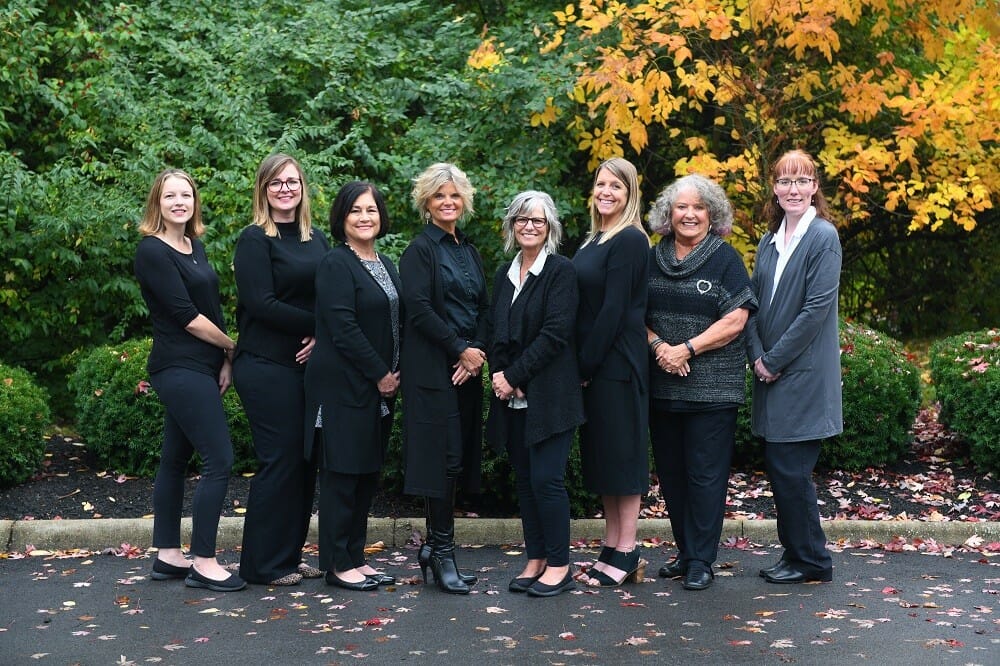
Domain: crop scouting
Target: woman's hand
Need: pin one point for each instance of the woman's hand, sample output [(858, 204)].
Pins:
[(388, 385), (763, 374), (673, 360), (502, 388), (302, 355), (225, 376), (470, 362)]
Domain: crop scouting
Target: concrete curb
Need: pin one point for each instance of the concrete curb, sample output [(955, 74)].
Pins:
[(97, 534)]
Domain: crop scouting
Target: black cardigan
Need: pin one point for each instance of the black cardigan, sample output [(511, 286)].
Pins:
[(353, 351), (532, 343)]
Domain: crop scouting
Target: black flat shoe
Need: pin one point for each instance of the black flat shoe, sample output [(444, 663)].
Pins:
[(164, 571), (788, 575), (777, 566), (231, 584), (698, 577), (382, 578), (366, 585), (539, 589), (522, 584), (674, 568)]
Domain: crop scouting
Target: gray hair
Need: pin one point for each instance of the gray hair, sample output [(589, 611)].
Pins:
[(720, 211), (523, 204), (433, 178)]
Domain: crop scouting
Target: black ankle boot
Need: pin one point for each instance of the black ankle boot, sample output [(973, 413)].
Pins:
[(442, 539), (426, 548)]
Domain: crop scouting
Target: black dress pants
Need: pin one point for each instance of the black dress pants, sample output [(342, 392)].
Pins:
[(279, 504), (344, 503), (693, 452), (789, 469), (195, 421), (540, 473)]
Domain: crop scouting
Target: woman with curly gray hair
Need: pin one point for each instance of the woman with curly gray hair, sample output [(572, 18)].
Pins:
[(537, 399), (699, 299)]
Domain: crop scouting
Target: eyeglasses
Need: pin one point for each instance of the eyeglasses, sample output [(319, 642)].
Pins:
[(785, 183), (293, 185), (533, 221)]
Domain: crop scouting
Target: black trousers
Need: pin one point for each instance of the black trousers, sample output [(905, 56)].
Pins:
[(280, 501), (344, 503), (693, 452), (195, 421), (464, 455), (540, 473), (789, 469)]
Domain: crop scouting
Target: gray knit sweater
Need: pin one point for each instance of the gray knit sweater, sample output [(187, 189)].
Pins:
[(685, 298)]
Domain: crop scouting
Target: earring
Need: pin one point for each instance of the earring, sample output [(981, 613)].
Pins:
[(427, 216)]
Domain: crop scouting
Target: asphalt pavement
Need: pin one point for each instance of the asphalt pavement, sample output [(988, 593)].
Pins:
[(882, 608)]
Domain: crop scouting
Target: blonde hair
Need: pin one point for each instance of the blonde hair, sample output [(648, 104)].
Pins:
[(268, 171), (433, 178), (624, 171), (152, 219)]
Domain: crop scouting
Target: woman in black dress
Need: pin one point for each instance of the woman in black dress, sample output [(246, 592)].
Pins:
[(351, 381), (612, 269), (275, 267), (537, 401), (189, 368), (444, 332)]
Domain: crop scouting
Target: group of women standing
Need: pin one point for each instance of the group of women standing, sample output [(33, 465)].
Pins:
[(622, 337)]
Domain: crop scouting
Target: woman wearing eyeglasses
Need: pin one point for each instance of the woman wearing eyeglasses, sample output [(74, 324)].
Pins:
[(537, 402), (794, 348), (275, 266)]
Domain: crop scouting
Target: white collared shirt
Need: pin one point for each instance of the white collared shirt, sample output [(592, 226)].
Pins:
[(785, 250), (514, 275)]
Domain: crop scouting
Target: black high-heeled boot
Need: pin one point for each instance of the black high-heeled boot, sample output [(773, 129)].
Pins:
[(442, 537), (424, 554)]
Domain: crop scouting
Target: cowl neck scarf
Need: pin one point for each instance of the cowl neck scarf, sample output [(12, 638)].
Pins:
[(666, 256)]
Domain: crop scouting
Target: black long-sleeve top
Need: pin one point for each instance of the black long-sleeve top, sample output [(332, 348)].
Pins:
[(276, 285), (177, 287)]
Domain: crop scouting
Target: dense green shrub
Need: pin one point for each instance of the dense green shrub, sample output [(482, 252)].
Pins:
[(120, 417), (881, 395), (965, 370), (24, 415)]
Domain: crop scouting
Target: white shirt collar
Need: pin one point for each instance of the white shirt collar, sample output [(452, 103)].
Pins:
[(779, 236), (514, 272)]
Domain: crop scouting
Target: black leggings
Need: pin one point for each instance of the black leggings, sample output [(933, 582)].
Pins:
[(195, 421)]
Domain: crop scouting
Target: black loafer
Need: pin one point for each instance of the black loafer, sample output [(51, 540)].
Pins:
[(674, 568), (788, 575), (231, 584), (539, 589), (698, 577), (522, 584), (777, 566), (164, 571), (382, 578), (366, 585)]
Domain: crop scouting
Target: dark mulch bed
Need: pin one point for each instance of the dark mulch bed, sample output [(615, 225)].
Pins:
[(933, 483)]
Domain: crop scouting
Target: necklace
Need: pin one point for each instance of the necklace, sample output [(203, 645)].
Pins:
[(351, 248)]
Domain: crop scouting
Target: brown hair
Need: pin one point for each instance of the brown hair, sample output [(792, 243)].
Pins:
[(794, 163), (152, 221)]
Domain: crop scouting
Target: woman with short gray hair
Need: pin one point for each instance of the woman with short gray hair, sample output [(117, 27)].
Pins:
[(537, 399)]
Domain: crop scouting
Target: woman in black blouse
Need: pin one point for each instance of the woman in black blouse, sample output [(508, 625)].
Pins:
[(612, 267), (189, 369), (444, 293), (351, 381), (275, 266), (537, 401)]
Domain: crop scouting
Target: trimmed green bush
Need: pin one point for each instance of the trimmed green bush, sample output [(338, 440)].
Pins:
[(881, 395), (24, 415), (965, 370), (120, 417)]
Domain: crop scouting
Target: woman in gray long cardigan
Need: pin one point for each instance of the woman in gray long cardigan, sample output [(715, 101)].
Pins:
[(794, 349)]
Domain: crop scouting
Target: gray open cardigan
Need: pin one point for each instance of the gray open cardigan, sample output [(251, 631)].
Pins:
[(795, 333)]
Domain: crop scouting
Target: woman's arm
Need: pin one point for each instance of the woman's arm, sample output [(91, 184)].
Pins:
[(255, 286)]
